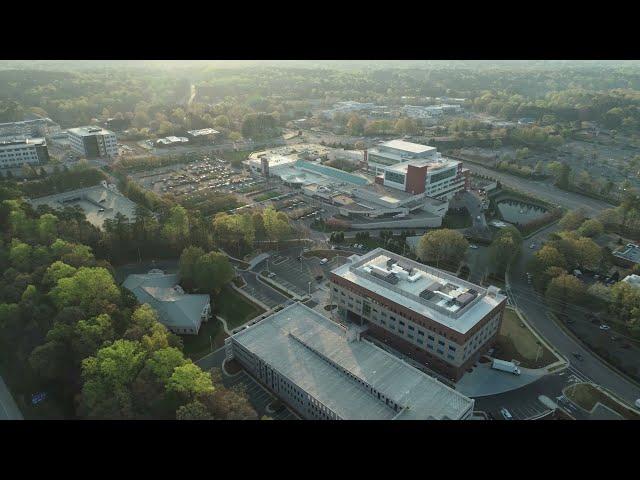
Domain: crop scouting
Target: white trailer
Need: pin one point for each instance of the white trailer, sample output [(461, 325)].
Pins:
[(505, 366)]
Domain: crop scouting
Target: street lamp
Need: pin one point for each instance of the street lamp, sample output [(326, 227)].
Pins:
[(309, 283)]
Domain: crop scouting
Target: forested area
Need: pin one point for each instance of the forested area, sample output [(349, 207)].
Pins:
[(66, 327), (255, 101)]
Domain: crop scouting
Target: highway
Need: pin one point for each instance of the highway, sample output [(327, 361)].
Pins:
[(532, 305)]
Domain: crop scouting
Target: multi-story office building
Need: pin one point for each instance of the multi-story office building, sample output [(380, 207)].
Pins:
[(20, 152), (326, 372), (93, 142), (440, 320), (416, 169)]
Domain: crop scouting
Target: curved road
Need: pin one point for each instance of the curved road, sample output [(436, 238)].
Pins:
[(532, 306)]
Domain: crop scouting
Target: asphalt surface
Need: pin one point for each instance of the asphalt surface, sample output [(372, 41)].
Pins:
[(532, 305), (262, 292)]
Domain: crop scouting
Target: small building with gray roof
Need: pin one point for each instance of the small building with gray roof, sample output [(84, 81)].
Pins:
[(180, 312)]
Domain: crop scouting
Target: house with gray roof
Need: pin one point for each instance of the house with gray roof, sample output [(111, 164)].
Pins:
[(180, 312)]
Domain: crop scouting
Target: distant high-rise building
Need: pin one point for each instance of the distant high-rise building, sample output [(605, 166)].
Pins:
[(93, 142)]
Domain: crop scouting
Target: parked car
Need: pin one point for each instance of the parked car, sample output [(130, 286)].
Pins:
[(505, 414), (323, 261), (473, 246), (532, 246), (605, 327)]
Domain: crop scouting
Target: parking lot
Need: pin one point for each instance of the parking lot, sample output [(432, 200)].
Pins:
[(262, 292), (259, 396), (296, 274)]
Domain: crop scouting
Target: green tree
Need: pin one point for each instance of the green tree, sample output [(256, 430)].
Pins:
[(193, 411), (107, 378), (56, 271), (442, 247), (212, 271), (47, 228), (505, 248), (92, 289), (189, 380), (188, 259), (572, 219), (591, 228), (563, 290)]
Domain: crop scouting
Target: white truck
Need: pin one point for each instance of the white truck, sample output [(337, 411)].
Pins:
[(505, 366)]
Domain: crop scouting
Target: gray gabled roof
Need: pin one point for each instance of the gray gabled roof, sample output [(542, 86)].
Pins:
[(175, 309)]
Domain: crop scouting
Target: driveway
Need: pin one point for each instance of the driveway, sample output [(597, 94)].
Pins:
[(484, 380)]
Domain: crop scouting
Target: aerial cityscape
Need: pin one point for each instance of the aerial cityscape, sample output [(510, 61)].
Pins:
[(326, 240)]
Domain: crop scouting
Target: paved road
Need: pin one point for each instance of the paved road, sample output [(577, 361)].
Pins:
[(544, 190), (8, 408), (262, 292), (532, 305)]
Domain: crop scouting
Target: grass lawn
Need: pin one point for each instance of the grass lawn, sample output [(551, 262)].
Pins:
[(586, 396), (197, 346), (516, 342), (265, 196), (234, 308)]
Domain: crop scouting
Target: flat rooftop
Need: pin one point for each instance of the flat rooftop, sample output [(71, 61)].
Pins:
[(91, 200), (433, 293), (306, 347), (22, 141), (407, 146), (89, 131), (202, 131), (433, 164), (630, 253)]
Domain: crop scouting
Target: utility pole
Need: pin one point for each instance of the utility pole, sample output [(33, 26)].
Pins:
[(211, 342)]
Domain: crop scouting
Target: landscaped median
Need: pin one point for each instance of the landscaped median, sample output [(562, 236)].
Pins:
[(516, 341), (587, 396)]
